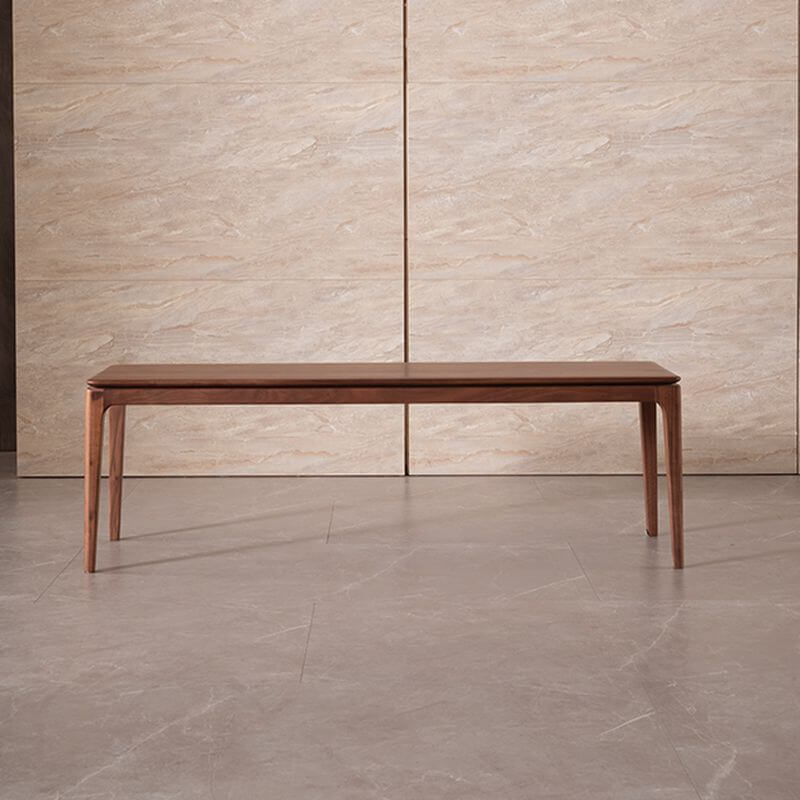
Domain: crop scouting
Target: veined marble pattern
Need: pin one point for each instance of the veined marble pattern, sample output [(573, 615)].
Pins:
[(570, 220), (575, 181), (732, 341), (181, 165), (170, 41), (237, 321), (227, 440), (463, 40), (70, 329), (208, 223), (207, 181), (454, 638)]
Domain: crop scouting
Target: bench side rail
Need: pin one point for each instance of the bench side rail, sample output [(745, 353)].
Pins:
[(378, 395)]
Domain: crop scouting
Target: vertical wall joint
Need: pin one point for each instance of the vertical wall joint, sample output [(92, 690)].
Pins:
[(405, 228)]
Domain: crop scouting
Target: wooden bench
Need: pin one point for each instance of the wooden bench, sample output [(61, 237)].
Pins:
[(642, 382)]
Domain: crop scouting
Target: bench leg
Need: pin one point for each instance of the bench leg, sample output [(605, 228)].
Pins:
[(669, 398), (116, 454), (93, 454), (647, 428)]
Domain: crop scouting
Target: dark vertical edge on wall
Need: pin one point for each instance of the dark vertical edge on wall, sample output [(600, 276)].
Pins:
[(405, 229), (8, 436)]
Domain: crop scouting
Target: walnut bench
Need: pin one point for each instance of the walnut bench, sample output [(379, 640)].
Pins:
[(642, 382)]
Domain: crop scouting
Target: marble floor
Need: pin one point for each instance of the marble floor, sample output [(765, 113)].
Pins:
[(401, 639)]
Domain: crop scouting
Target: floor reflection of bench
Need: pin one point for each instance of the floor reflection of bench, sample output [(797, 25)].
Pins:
[(642, 382)]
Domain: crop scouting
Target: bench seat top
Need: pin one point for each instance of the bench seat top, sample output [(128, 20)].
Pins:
[(510, 373)]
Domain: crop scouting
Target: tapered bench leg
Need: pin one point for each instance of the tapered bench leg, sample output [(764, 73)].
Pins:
[(93, 453), (669, 398), (647, 427), (116, 454)]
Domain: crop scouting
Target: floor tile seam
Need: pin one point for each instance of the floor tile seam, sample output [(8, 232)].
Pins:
[(58, 574), (665, 733), (129, 486), (706, 737), (308, 640), (580, 566), (537, 482), (330, 522)]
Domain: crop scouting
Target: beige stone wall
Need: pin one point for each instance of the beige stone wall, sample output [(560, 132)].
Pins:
[(208, 181), (223, 181), (598, 181)]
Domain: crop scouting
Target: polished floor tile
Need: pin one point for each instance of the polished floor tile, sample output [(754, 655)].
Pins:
[(432, 637)]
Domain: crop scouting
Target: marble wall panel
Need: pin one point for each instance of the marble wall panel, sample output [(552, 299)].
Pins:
[(223, 181), (70, 329), (606, 180), (209, 181), (731, 340), (611, 180), (560, 40), (172, 41)]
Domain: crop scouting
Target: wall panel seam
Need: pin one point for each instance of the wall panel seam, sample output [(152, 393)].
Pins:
[(406, 332)]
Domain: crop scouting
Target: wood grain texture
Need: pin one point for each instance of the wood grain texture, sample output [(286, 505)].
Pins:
[(93, 455), (349, 375), (370, 395), (670, 402), (291, 384), (116, 459), (647, 429)]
